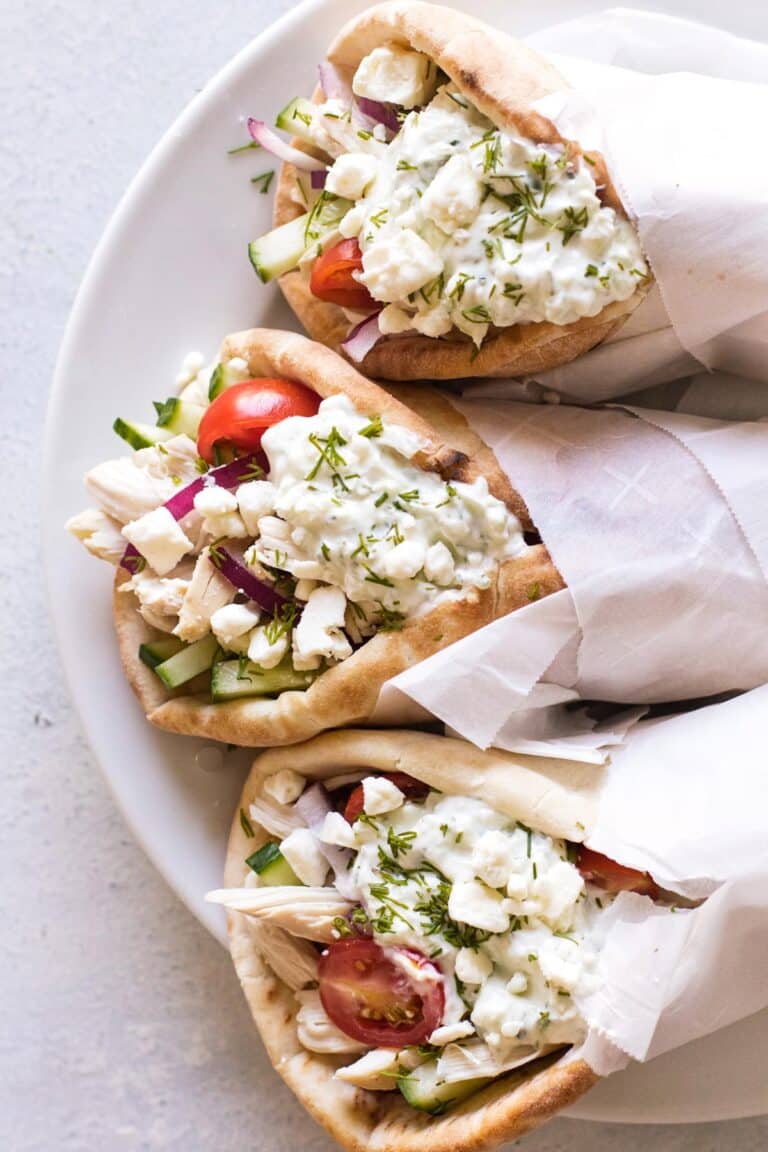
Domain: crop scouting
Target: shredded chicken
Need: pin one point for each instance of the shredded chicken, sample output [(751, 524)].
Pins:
[(99, 533), (293, 960), (316, 1032), (160, 598), (277, 819), (302, 911), (207, 592), (473, 1059), (378, 1069)]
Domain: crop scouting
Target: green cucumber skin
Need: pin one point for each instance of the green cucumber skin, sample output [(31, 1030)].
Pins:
[(216, 385), (289, 119), (139, 435), (421, 1089), (230, 680), (159, 650), (180, 416), (280, 250), (272, 867), (190, 662)]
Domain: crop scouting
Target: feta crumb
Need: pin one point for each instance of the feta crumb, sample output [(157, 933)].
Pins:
[(493, 858), (351, 174), (438, 564), (262, 652), (304, 589), (559, 962), (473, 903), (232, 621), (395, 75), (302, 852), (448, 1033), (284, 786), (254, 500), (517, 984), (453, 198), (159, 539), (393, 320), (218, 507), (404, 560), (336, 830), (399, 264), (380, 795), (472, 967), (319, 631)]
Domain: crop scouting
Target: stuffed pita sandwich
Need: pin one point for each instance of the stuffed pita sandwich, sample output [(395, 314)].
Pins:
[(413, 922), (429, 222), (290, 536)]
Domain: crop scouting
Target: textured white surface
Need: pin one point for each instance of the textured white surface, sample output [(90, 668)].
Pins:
[(121, 1024)]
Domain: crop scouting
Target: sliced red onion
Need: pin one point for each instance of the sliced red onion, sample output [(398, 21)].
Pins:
[(273, 143), (182, 503), (313, 806), (243, 579), (381, 113), (362, 338), (337, 87), (318, 177)]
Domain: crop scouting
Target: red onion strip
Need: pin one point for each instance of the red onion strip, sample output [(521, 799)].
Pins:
[(273, 143), (362, 338), (244, 580)]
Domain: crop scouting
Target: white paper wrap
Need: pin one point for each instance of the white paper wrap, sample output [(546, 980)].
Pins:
[(677, 109)]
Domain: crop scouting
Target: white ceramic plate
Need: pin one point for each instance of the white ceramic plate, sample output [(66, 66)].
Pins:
[(171, 274)]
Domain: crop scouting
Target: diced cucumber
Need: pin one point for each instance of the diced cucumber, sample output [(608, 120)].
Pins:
[(280, 250), (189, 662), (423, 1089), (233, 679), (296, 118), (272, 866), (223, 377), (181, 417), (160, 650), (140, 435)]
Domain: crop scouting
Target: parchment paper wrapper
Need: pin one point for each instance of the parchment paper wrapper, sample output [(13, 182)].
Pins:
[(681, 134), (658, 523)]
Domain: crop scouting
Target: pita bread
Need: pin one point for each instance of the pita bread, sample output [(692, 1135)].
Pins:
[(271, 964), (502, 77), (347, 693)]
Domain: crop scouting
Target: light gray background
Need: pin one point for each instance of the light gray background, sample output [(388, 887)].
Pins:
[(121, 1023)]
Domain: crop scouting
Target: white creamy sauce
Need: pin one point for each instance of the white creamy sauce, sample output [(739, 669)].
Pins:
[(351, 510), (505, 911), (463, 225)]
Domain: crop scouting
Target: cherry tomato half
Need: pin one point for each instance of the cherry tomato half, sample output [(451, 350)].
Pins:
[(240, 415), (332, 278), (412, 789), (386, 999), (606, 873)]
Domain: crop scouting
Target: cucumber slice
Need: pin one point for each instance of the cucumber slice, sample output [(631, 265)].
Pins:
[(296, 118), (272, 866), (188, 663), (181, 417), (233, 679), (140, 435), (424, 1090), (223, 377), (280, 250), (159, 651)]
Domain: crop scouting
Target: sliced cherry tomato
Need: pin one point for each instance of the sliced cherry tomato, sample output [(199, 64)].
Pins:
[(412, 789), (606, 873), (385, 998), (332, 278), (239, 416)]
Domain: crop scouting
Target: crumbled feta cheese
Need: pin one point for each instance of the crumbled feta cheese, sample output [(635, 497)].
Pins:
[(380, 795), (517, 984), (284, 786), (399, 264), (218, 507), (254, 500), (351, 174), (471, 902), (337, 830), (265, 653), (159, 539), (232, 621), (405, 560), (494, 858), (190, 366), (449, 1033), (473, 966), (304, 589), (453, 198), (302, 852), (319, 631), (438, 564), (559, 962), (395, 75), (393, 320), (556, 891), (352, 223)]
